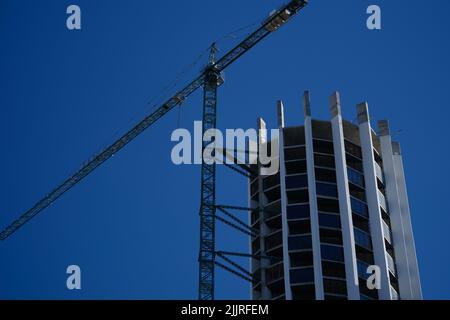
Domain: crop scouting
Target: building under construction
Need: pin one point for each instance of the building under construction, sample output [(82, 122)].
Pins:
[(337, 206)]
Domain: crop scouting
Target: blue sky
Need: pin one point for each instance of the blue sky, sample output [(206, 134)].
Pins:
[(132, 226)]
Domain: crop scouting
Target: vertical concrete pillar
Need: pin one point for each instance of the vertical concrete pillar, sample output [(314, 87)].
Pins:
[(284, 223), (318, 279), (263, 228), (345, 209), (373, 201), (401, 235), (416, 290)]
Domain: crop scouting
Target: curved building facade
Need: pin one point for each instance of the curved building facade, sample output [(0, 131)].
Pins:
[(337, 207)]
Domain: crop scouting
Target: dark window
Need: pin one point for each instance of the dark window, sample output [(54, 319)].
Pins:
[(378, 159), (394, 282), (353, 149), (295, 182), (321, 160), (256, 244), (330, 297), (323, 146), (322, 129), (299, 227), (301, 259), (273, 194), (362, 269), (272, 210), (297, 196), (331, 236), (294, 167), (361, 223), (359, 207), (355, 177), (274, 273), (294, 136), (271, 181), (325, 189), (333, 269), (329, 220), (354, 162), (332, 253), (302, 275), (295, 153), (254, 187), (303, 292), (357, 192), (328, 205), (298, 211), (364, 255), (274, 240), (366, 291), (362, 239), (325, 175), (335, 286), (300, 242)]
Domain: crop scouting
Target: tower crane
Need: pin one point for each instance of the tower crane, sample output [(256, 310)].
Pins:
[(210, 79)]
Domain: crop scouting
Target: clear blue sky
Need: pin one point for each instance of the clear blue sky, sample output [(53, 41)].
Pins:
[(132, 226)]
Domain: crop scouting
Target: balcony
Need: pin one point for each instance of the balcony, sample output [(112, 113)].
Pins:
[(382, 200), (391, 264), (379, 172), (387, 232)]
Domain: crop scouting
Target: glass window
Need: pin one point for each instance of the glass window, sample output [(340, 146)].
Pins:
[(303, 292), (300, 242), (335, 286), (273, 194), (295, 153), (328, 205), (325, 175), (362, 239), (332, 253), (361, 223), (364, 255), (295, 182), (294, 136), (333, 269), (301, 259), (299, 227), (298, 211), (353, 149), (323, 146), (321, 160), (331, 236), (359, 207), (274, 240), (302, 275), (294, 167), (355, 177), (354, 162), (329, 220), (271, 181), (297, 196), (325, 189)]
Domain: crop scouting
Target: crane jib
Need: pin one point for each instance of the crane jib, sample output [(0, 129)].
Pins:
[(272, 23)]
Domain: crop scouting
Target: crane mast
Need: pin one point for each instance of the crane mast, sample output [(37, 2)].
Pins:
[(210, 79)]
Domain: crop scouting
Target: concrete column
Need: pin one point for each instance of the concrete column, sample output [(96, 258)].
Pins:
[(345, 209), (263, 228), (401, 237), (284, 223), (318, 279), (373, 202), (416, 290)]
